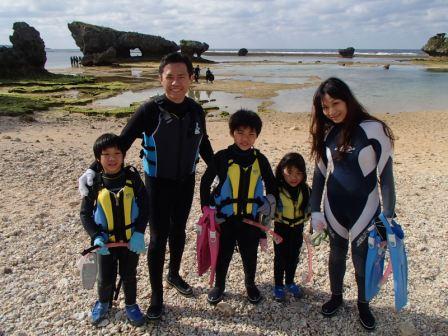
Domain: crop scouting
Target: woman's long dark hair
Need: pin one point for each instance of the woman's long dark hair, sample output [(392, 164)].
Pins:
[(294, 160), (356, 113)]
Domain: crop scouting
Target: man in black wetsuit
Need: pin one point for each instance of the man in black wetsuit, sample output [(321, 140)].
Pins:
[(173, 130)]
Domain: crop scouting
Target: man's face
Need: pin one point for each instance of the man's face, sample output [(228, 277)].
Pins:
[(175, 81)]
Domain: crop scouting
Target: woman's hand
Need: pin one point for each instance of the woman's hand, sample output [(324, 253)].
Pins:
[(318, 221)]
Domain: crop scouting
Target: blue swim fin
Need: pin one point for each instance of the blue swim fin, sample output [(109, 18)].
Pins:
[(399, 261), (374, 264)]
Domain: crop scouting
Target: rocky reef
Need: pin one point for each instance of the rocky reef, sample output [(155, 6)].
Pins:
[(103, 46), (27, 55), (347, 52), (191, 48), (242, 52), (437, 45)]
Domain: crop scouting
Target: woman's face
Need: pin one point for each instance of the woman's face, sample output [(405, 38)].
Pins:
[(334, 109)]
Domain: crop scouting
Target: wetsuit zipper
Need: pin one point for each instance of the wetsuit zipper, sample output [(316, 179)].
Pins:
[(180, 149)]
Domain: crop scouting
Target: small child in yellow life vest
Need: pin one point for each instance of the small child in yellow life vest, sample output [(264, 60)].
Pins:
[(115, 210), (291, 214)]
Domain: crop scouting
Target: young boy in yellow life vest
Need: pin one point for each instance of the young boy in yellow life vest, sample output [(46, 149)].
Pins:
[(246, 189), (293, 211), (115, 211)]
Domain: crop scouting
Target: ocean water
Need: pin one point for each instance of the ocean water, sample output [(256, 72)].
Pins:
[(306, 55), (60, 58), (403, 88)]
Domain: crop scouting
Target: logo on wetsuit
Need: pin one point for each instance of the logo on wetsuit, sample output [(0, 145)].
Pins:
[(197, 130), (348, 149), (361, 238)]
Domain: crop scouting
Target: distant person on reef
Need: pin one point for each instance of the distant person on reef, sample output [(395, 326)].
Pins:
[(197, 72), (209, 77), (174, 135)]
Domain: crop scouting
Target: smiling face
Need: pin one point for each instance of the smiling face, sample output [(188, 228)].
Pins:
[(111, 160), (175, 81), (334, 109), (293, 176), (244, 137)]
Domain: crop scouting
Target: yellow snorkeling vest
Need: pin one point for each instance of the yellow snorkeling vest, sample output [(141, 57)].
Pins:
[(116, 212), (288, 211), (241, 179)]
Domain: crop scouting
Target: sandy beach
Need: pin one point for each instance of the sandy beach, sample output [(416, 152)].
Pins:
[(42, 236)]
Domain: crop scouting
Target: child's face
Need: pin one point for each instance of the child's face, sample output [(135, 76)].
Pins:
[(111, 160), (292, 176), (244, 137)]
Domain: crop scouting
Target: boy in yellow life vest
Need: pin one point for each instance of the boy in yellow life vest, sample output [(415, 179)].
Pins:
[(115, 211), (246, 189), (293, 211)]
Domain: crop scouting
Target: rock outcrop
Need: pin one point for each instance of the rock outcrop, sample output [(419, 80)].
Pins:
[(190, 48), (103, 46), (437, 45), (27, 55), (242, 52), (347, 52)]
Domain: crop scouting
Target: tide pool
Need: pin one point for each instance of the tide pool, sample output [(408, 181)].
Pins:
[(224, 101), (405, 87)]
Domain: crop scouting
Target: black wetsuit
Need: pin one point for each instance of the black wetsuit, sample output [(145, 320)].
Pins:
[(120, 257), (233, 230), (179, 130), (209, 76), (286, 254), (197, 71), (352, 199)]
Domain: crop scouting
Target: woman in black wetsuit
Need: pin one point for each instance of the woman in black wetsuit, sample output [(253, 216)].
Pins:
[(353, 153)]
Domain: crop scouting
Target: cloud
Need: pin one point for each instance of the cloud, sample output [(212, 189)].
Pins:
[(241, 23)]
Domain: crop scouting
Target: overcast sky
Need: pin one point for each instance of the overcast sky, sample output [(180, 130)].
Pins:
[(295, 24)]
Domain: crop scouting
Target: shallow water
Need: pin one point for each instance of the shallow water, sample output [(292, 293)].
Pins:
[(225, 101), (401, 88), (404, 87)]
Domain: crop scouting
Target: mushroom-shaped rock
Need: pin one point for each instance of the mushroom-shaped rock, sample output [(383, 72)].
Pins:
[(437, 45), (189, 48), (347, 52), (242, 52), (27, 55)]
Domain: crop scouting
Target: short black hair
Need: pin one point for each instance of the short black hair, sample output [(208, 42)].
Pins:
[(245, 118), (107, 140), (176, 57)]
